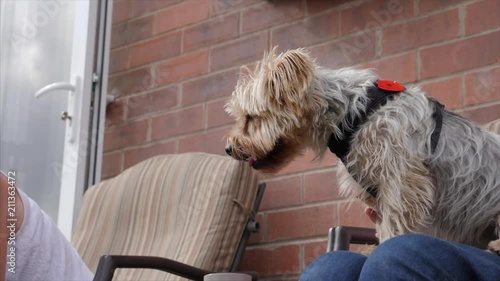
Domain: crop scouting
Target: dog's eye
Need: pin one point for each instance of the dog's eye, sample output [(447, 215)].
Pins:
[(251, 120)]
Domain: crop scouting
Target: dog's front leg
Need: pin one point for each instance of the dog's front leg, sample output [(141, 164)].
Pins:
[(405, 197), (404, 185)]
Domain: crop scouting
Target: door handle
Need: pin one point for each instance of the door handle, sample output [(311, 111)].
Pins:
[(54, 87), (74, 89)]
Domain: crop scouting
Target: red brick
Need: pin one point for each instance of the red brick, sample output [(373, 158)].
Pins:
[(461, 55), (272, 261), (282, 193), (239, 52), (307, 162), (111, 165), (481, 16), (157, 49), (115, 111), (142, 7), (119, 60), (401, 68), (121, 11), (374, 14), (314, 7), (135, 81), (219, 7), (256, 238), (321, 186), (121, 136), (148, 103), (353, 214), (300, 223), (136, 155), (217, 30), (345, 52), (429, 6), (210, 142), (425, 31), (182, 68), (209, 87), (483, 86), (268, 14), (313, 250), (484, 114), (132, 31), (177, 123), (216, 115), (181, 15), (308, 32), (447, 91)]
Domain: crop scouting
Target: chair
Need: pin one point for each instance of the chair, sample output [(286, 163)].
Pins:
[(340, 237), (187, 214)]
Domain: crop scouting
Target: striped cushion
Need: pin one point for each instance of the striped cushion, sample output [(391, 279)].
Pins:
[(175, 206), (493, 126)]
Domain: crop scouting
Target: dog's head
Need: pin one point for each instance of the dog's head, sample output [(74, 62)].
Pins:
[(273, 111)]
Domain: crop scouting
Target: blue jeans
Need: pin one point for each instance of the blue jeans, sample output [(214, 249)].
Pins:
[(407, 257)]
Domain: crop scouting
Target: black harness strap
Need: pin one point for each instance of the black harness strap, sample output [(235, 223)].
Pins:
[(377, 97), (438, 118)]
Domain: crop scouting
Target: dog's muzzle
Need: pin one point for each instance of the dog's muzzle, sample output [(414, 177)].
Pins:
[(229, 150)]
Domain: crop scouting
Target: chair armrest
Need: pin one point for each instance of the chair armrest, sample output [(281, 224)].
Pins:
[(109, 263), (340, 237)]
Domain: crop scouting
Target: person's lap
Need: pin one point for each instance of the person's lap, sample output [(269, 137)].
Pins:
[(407, 257)]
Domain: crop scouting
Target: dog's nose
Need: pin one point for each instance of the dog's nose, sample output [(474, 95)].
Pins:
[(229, 149)]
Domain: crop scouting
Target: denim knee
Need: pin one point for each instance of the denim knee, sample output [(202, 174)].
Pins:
[(341, 265), (404, 245), (399, 258)]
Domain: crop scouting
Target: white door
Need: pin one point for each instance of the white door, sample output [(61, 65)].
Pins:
[(48, 102)]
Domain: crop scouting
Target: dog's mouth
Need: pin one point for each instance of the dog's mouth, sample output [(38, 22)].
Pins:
[(268, 159), (257, 163), (251, 162)]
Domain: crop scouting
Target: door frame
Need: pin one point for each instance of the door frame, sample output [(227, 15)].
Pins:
[(87, 171), (73, 177), (100, 97)]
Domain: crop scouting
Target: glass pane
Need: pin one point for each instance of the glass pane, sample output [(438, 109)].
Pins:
[(35, 39)]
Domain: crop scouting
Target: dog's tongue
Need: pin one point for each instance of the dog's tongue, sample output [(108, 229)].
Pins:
[(250, 162)]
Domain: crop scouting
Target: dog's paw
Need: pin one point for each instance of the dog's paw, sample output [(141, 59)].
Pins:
[(494, 247)]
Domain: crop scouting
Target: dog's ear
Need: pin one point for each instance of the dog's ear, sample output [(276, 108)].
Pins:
[(289, 76)]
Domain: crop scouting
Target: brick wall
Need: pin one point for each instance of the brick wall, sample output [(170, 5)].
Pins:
[(173, 64)]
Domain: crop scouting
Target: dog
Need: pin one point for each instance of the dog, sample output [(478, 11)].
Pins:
[(423, 169)]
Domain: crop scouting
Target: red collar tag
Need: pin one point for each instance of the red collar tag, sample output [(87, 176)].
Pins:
[(390, 85)]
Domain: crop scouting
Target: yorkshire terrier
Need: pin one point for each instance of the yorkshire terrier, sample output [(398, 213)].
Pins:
[(423, 169)]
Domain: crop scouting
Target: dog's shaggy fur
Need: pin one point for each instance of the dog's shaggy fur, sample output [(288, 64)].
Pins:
[(289, 104)]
